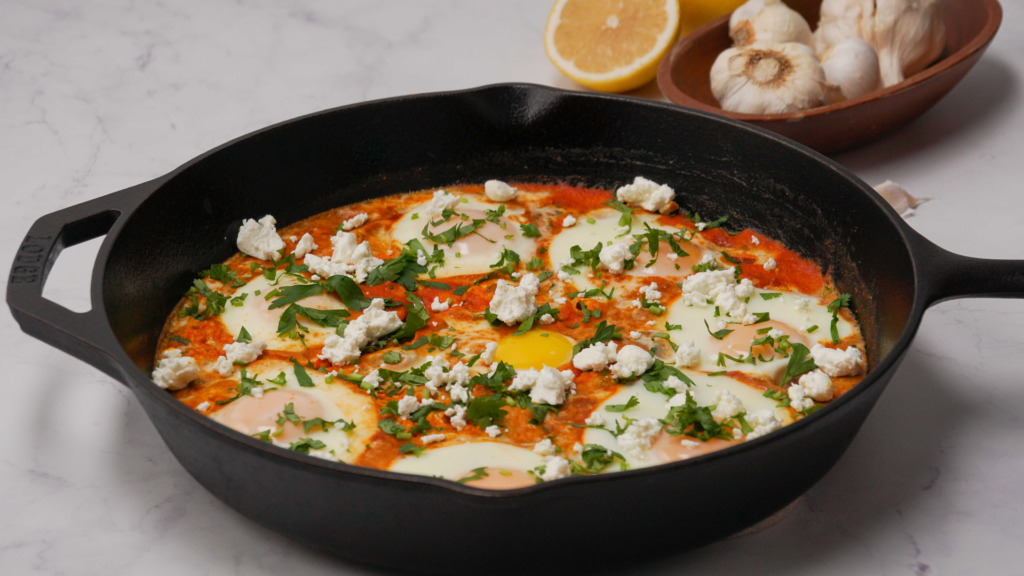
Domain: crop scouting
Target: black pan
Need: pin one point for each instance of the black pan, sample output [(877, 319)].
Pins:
[(160, 234)]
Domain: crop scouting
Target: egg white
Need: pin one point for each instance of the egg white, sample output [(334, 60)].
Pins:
[(458, 460)]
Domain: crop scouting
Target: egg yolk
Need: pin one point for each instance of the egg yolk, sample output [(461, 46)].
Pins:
[(251, 415), (535, 349), (668, 263), (741, 339)]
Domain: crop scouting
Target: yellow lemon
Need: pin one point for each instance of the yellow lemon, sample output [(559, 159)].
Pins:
[(695, 13), (610, 45)]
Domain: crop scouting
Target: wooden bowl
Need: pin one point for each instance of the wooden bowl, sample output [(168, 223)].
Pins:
[(684, 78)]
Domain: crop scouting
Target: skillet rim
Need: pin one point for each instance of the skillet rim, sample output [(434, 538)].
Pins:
[(143, 382)]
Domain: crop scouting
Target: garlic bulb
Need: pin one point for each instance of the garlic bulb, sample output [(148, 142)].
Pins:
[(907, 35), (768, 79), (852, 66), (768, 21)]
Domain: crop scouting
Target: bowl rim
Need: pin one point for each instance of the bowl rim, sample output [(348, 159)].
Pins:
[(678, 96)]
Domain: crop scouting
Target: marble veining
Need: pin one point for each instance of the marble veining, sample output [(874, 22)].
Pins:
[(98, 96)]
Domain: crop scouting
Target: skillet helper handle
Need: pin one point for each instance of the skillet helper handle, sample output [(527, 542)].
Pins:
[(83, 335), (946, 276)]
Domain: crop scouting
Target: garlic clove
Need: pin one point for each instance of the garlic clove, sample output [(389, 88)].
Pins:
[(898, 198), (907, 35), (852, 67), (768, 79), (768, 21)]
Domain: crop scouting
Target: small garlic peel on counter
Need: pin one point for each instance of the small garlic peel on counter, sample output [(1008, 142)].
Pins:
[(907, 35), (768, 21), (898, 198), (768, 79)]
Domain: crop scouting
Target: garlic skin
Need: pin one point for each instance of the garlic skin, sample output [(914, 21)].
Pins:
[(768, 21), (768, 79), (907, 35), (852, 66), (898, 198)]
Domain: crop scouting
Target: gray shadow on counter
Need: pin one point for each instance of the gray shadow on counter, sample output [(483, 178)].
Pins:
[(978, 104)]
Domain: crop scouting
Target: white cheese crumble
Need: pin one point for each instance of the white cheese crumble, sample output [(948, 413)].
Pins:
[(546, 386), (727, 405), (407, 405), (561, 300), (438, 306), (776, 333), (817, 385), (701, 226), (631, 362), (439, 203), (555, 467), (801, 304), (770, 264), (720, 287), (635, 335), (568, 221), (564, 276), (651, 292), (689, 443), (174, 371), (487, 356), (614, 257), (203, 407), (355, 221), (648, 195), (223, 367), (432, 439), (547, 319), (304, 246), (260, 239), (595, 419), (493, 431), (595, 357), (514, 304), (457, 416), (372, 380), (545, 448), (244, 352), (688, 355), (754, 240), (350, 257), (838, 363), (679, 399), (763, 421), (498, 191), (637, 439), (371, 325), (421, 258), (257, 392), (798, 399)]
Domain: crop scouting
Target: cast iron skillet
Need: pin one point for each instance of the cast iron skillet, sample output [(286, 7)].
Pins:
[(160, 234)]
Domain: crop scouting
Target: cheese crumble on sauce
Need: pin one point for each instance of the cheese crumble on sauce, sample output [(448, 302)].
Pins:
[(505, 339)]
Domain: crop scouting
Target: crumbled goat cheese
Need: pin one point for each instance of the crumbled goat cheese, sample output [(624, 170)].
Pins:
[(372, 380), (577, 449), (776, 333), (679, 399), (223, 367), (672, 256), (545, 448), (688, 355), (546, 386), (555, 467), (726, 405), (355, 221), (763, 421), (547, 319), (770, 264), (293, 238), (457, 416), (257, 392), (595, 357), (614, 257), (175, 371), (498, 191), (432, 439), (493, 431), (350, 258), (458, 393), (798, 399), (516, 275), (689, 443), (560, 300), (421, 258), (260, 239), (439, 203), (374, 323), (203, 407), (638, 438), (648, 195), (838, 363), (720, 287), (817, 385), (304, 246), (244, 352), (754, 240), (635, 335), (631, 362), (801, 304), (407, 405), (595, 419), (514, 304), (676, 384), (701, 226), (651, 292), (438, 306), (487, 356), (563, 276), (569, 221)]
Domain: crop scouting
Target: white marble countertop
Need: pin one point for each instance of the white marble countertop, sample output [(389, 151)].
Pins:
[(97, 96)]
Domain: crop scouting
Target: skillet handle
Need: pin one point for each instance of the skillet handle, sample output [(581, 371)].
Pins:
[(84, 335), (946, 276)]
